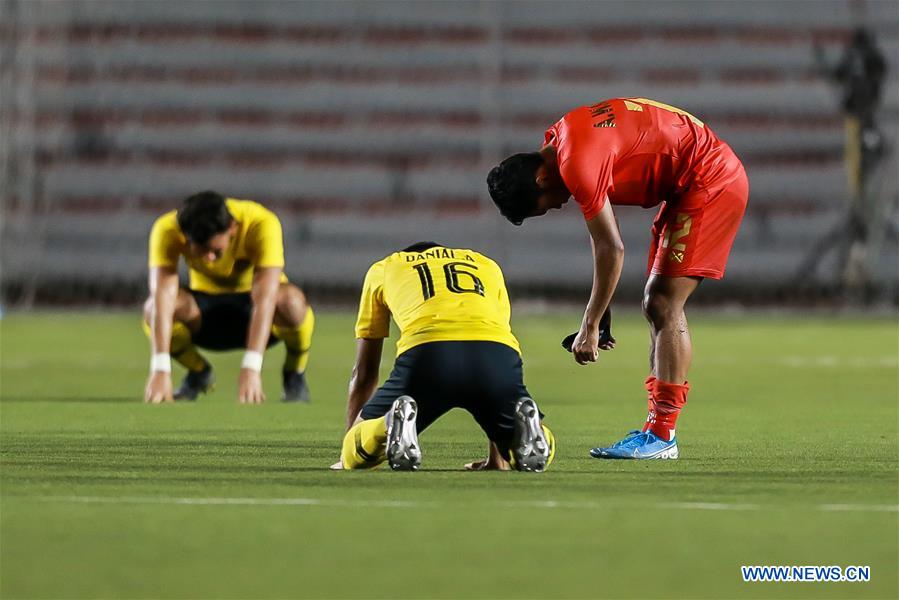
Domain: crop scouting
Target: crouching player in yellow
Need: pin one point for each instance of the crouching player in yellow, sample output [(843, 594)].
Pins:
[(456, 350), (239, 297)]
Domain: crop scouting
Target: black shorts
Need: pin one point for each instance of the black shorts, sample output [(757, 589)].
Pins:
[(224, 320), (484, 378)]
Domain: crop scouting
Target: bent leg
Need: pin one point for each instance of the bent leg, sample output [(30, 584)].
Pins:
[(186, 321), (293, 324), (365, 444), (692, 239)]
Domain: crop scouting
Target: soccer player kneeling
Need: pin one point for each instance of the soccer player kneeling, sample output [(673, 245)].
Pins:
[(239, 297), (456, 350)]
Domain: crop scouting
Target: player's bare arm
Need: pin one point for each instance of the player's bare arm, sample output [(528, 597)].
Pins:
[(266, 282), (163, 284), (608, 258), (364, 379)]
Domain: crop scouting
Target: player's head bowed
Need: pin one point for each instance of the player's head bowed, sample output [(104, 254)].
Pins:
[(204, 216), (513, 186)]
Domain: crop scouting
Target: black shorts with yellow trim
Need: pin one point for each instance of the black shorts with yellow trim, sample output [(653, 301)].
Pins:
[(224, 320), (484, 378)]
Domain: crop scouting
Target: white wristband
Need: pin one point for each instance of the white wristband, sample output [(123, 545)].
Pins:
[(252, 360), (161, 363)]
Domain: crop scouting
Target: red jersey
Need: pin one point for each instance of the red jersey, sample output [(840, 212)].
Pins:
[(639, 152)]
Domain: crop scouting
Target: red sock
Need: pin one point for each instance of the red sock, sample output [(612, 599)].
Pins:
[(667, 400), (648, 384)]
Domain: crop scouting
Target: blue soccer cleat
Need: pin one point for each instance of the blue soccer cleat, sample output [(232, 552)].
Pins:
[(625, 439), (639, 444)]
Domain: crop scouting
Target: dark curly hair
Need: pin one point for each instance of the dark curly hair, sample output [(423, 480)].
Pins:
[(513, 187), (203, 216), (421, 246)]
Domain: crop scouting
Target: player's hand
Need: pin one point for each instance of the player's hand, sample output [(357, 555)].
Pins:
[(586, 345), (606, 340), (249, 387), (493, 462), (488, 465), (159, 388)]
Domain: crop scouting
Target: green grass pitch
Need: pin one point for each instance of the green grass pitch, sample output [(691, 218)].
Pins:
[(788, 445)]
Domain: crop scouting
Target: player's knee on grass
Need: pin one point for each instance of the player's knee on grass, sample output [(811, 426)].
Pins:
[(365, 444)]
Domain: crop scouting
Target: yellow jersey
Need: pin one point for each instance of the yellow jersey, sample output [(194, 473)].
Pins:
[(439, 294), (257, 243)]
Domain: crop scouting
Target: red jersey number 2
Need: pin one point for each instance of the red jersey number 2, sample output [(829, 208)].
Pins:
[(672, 237)]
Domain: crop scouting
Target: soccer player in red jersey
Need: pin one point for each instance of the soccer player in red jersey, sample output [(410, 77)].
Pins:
[(635, 151)]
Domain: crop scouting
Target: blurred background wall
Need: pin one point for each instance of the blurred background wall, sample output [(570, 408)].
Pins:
[(369, 125)]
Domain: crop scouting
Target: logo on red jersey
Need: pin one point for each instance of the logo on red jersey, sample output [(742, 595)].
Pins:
[(604, 111)]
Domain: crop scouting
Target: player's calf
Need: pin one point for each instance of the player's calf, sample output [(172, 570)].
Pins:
[(364, 444), (293, 324)]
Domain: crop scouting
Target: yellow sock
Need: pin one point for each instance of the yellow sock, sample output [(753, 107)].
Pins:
[(297, 340), (365, 444), (181, 348), (551, 439)]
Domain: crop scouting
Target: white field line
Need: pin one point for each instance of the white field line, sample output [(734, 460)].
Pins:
[(227, 501), (855, 507), (539, 504), (709, 506), (852, 362)]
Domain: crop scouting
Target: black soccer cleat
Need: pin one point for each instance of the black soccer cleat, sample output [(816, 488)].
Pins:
[(295, 388), (194, 383)]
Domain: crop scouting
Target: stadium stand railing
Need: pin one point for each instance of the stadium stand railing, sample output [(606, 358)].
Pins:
[(369, 124)]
